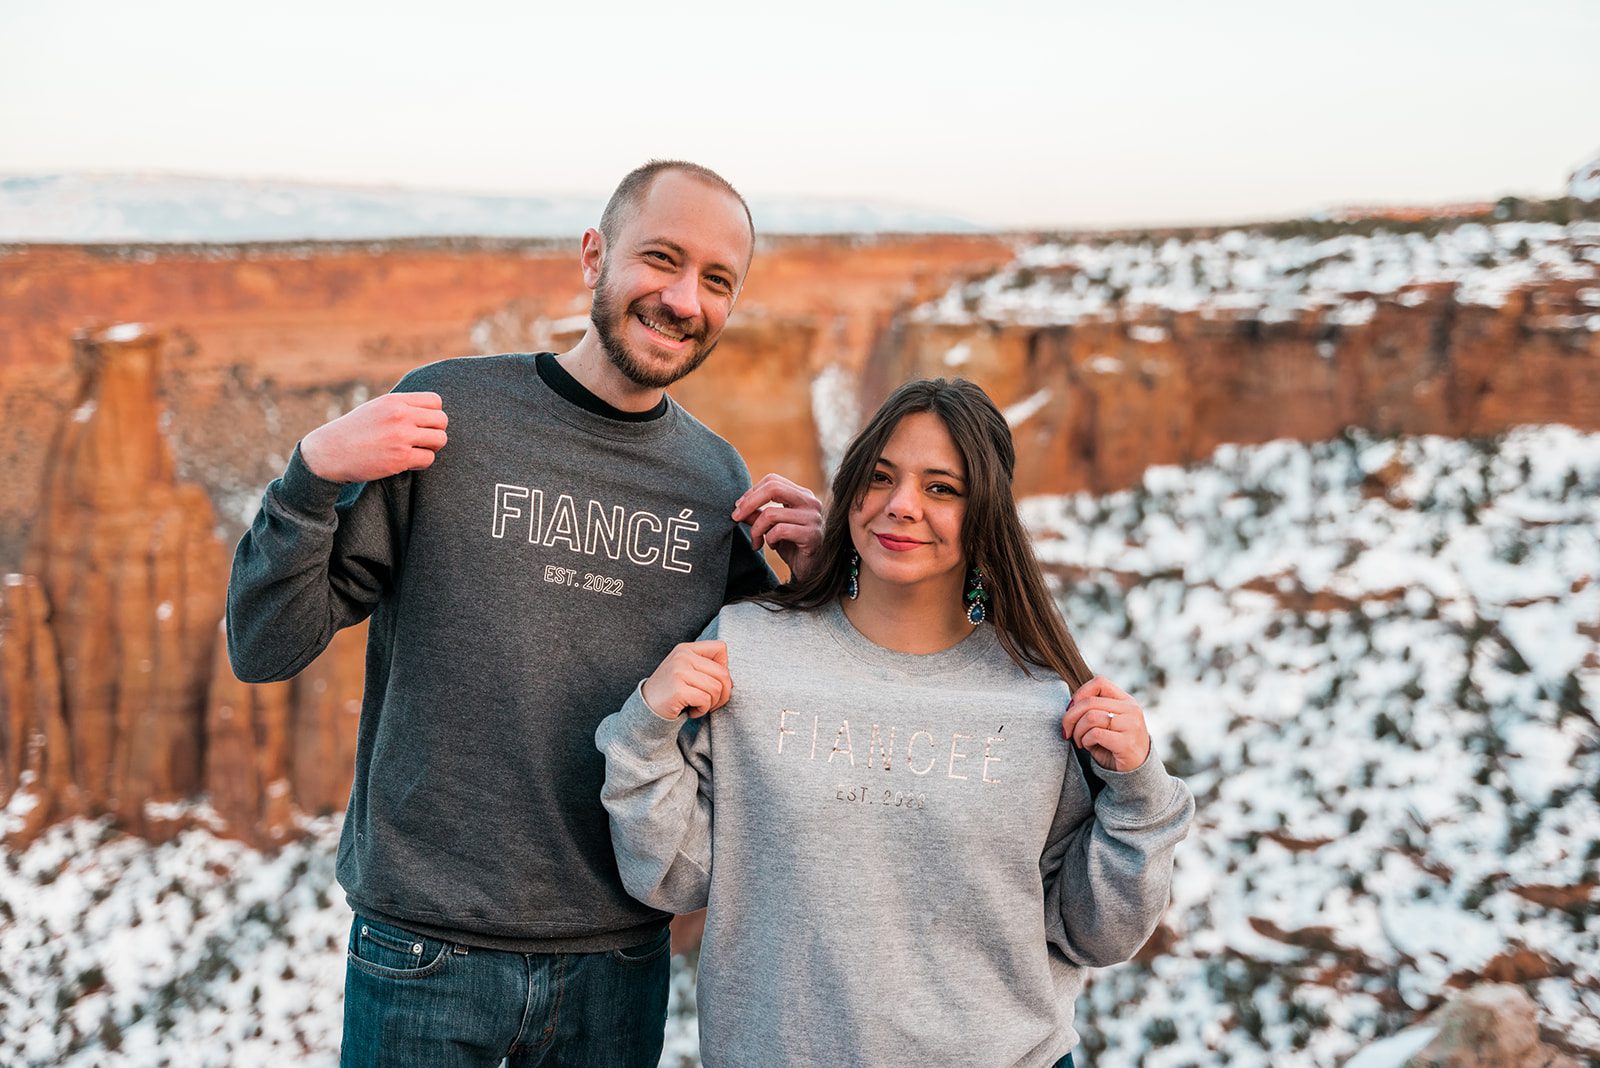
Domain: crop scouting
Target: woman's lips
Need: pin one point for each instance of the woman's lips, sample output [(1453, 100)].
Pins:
[(898, 545)]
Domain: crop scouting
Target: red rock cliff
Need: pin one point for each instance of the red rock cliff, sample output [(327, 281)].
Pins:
[(114, 688), (127, 584), (262, 343), (1094, 404), (111, 696), (115, 685)]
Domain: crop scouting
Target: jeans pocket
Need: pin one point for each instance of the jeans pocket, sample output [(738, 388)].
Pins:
[(384, 950), (646, 952)]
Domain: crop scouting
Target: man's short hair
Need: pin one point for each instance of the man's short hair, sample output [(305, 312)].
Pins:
[(632, 189)]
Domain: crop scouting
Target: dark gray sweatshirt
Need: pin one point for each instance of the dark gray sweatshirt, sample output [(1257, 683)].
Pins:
[(900, 854), (518, 588)]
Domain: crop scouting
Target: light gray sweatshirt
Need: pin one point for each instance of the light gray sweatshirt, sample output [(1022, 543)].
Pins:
[(900, 854)]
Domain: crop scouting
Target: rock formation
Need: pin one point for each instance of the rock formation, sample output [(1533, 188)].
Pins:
[(35, 764), (113, 700), (283, 750), (1490, 1026), (127, 450), (1094, 404), (131, 575), (247, 749), (263, 342)]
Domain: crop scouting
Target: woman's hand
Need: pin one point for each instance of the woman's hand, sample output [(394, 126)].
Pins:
[(1108, 723), (693, 678)]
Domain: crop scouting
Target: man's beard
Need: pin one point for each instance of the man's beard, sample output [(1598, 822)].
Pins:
[(608, 324)]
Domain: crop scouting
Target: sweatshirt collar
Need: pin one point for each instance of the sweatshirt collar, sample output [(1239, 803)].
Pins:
[(973, 647), (548, 398)]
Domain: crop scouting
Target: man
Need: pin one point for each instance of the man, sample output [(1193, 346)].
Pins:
[(521, 579)]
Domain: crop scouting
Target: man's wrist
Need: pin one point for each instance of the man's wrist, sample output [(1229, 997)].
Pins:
[(305, 491), (311, 456)]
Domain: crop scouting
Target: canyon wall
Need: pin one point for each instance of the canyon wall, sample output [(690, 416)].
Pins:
[(261, 343), (135, 456), (114, 687), (1093, 404), (126, 566)]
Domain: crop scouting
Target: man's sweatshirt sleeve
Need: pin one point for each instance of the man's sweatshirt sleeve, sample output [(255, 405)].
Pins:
[(317, 558), (658, 794), (1107, 879)]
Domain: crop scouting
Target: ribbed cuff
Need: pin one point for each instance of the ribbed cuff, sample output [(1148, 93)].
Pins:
[(634, 734), (1146, 790), (305, 490), (642, 721)]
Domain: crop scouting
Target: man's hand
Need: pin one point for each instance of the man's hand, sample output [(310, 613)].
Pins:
[(385, 436), (693, 678), (786, 516), (1106, 721)]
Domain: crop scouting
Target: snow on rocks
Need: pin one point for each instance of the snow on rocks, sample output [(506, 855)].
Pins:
[(1372, 659), (1375, 662), (196, 951), (1585, 181), (1274, 279), (1027, 408), (123, 332), (836, 411)]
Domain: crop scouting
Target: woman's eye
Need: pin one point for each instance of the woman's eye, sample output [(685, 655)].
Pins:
[(943, 490), (879, 476)]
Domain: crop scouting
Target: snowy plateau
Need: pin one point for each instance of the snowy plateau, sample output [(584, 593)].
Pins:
[(1373, 659), (1245, 273)]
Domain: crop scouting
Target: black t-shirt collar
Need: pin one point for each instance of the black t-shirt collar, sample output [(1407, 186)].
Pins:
[(560, 379)]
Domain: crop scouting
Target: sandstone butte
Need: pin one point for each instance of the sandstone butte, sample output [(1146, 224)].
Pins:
[(134, 457)]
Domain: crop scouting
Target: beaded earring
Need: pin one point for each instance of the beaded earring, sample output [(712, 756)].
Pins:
[(852, 588), (977, 598)]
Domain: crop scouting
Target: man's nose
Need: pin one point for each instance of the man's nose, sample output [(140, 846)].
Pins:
[(682, 296)]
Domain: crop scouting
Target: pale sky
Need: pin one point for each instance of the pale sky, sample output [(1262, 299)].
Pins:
[(1016, 114)]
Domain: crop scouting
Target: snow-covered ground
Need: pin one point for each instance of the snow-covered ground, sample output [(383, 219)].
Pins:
[(1375, 663), (1250, 274), (199, 951), (1374, 660)]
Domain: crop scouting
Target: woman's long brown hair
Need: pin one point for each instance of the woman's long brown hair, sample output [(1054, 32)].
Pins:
[(1021, 609)]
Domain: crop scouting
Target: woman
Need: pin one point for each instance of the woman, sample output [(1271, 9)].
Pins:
[(903, 860)]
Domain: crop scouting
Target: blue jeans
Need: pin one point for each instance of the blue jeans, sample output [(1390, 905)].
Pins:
[(415, 1001)]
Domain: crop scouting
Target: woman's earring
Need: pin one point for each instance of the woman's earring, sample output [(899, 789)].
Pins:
[(977, 598), (852, 588)]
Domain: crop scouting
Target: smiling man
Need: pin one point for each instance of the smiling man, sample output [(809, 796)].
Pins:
[(530, 535), (653, 336)]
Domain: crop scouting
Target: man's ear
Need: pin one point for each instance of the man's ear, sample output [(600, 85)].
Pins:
[(593, 255)]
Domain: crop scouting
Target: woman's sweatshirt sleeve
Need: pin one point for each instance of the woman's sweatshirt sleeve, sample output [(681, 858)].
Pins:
[(658, 794), (1108, 876)]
